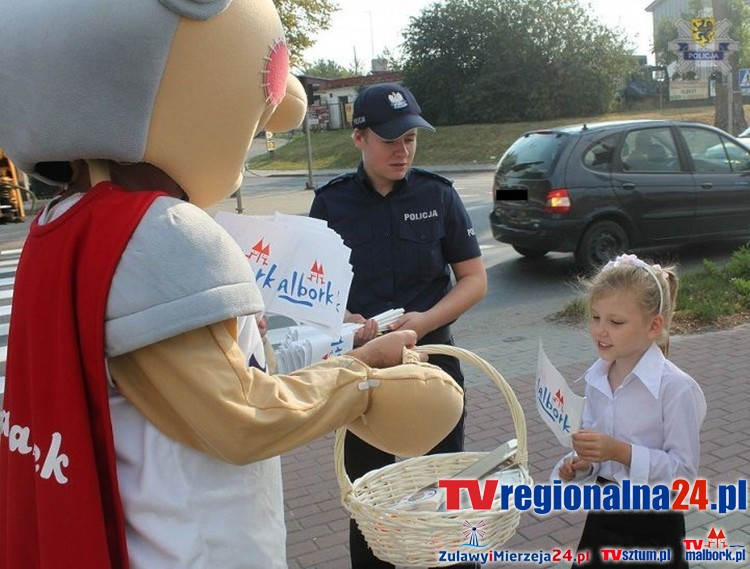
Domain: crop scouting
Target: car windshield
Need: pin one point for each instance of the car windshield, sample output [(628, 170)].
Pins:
[(532, 154)]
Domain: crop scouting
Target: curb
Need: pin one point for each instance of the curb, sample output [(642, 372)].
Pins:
[(445, 169)]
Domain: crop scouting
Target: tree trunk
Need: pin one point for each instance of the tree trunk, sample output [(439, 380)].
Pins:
[(721, 103), (721, 117)]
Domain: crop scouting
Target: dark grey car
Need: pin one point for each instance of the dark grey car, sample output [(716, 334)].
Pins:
[(603, 188)]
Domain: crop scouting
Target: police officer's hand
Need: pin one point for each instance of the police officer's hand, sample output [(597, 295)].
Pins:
[(416, 321), (386, 350), (368, 331)]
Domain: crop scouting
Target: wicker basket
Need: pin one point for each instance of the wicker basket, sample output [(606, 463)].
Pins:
[(416, 538)]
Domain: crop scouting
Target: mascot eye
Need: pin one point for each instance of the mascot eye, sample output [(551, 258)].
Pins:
[(276, 73)]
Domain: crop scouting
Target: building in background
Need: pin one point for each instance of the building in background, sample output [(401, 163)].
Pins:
[(330, 100)]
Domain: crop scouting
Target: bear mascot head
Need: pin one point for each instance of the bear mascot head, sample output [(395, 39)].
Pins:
[(133, 431)]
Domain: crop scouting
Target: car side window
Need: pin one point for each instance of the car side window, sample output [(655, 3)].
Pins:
[(649, 150), (739, 156), (599, 156), (710, 151)]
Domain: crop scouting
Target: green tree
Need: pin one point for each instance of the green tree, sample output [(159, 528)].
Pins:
[(666, 32), (302, 19), (326, 68), (394, 61), (474, 61), (736, 12)]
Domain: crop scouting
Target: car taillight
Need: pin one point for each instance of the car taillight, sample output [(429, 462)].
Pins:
[(558, 201)]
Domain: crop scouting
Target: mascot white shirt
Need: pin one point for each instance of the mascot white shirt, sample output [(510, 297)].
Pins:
[(137, 430)]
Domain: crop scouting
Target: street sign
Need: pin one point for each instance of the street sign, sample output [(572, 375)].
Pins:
[(703, 41), (744, 81)]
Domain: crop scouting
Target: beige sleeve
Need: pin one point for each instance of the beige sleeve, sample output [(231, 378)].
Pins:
[(197, 389)]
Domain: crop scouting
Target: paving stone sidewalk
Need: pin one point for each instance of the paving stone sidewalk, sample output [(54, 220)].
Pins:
[(720, 361), (318, 525)]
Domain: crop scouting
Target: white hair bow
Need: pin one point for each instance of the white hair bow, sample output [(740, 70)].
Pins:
[(634, 261)]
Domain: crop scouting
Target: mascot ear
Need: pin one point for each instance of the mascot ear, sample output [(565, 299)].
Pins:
[(291, 111), (196, 9)]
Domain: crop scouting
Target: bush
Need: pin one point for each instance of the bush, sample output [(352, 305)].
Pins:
[(739, 264), (705, 296)]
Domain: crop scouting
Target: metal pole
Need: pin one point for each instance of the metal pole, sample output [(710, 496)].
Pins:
[(730, 101), (372, 41), (238, 196), (310, 185)]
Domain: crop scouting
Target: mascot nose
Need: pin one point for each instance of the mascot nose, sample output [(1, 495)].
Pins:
[(276, 73)]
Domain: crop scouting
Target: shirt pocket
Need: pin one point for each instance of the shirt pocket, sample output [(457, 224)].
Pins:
[(420, 247), (360, 238)]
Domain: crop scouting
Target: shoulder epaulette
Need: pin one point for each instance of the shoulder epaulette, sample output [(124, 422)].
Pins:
[(334, 181), (431, 174)]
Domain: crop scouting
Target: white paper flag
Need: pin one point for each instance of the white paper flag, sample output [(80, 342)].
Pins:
[(300, 265), (558, 406)]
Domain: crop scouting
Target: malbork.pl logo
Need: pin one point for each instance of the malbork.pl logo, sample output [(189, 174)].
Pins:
[(714, 547)]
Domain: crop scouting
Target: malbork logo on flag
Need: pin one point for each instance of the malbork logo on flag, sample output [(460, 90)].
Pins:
[(558, 406)]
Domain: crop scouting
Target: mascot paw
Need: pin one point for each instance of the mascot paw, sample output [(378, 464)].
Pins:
[(412, 408)]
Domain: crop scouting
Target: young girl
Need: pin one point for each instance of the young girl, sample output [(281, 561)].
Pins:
[(642, 416)]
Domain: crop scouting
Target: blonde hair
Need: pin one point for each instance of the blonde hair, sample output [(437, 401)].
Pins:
[(655, 289)]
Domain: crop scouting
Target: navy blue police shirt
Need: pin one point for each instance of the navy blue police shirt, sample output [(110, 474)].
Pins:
[(403, 243)]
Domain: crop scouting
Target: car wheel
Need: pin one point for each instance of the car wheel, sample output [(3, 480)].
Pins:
[(530, 253), (601, 242)]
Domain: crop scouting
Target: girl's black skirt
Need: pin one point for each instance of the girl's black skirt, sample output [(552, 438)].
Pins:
[(636, 532)]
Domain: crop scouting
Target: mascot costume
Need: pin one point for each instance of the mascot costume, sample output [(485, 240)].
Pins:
[(134, 431)]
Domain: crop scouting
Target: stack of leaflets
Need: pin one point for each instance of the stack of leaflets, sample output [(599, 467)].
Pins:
[(300, 346), (385, 319), (500, 464), (301, 266)]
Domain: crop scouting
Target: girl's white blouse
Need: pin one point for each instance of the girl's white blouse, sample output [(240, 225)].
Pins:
[(658, 409)]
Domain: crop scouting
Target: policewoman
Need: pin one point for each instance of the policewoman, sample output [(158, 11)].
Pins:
[(408, 231)]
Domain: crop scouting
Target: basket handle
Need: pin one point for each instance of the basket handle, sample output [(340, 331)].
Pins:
[(519, 419)]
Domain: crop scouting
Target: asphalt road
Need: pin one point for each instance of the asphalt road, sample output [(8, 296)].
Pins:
[(524, 294), (506, 326), (515, 280)]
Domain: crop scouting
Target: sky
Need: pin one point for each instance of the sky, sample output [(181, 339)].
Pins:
[(370, 26)]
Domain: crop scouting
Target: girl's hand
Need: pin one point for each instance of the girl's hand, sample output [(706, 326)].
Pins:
[(571, 466), (598, 447)]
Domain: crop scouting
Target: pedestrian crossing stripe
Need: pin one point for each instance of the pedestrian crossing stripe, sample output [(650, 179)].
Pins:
[(8, 267)]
